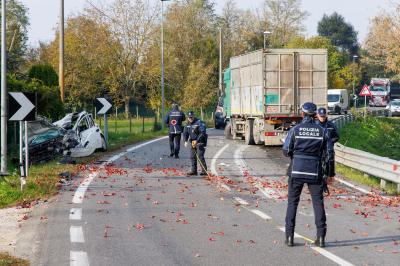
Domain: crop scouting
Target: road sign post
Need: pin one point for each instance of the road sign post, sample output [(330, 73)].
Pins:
[(104, 107), (21, 108), (365, 92)]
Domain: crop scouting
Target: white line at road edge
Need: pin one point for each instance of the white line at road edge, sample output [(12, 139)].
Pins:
[(78, 258), (242, 164), (357, 188), (322, 251)]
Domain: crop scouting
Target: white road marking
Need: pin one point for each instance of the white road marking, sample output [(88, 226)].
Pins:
[(261, 214), (241, 201), (267, 193), (76, 234), (75, 214), (344, 182), (81, 190), (238, 157), (214, 159), (322, 251), (225, 187), (78, 258), (214, 169)]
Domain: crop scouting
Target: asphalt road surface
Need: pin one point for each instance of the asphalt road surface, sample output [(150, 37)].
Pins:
[(139, 208)]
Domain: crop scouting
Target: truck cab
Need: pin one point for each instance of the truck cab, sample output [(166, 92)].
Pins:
[(380, 92), (338, 101)]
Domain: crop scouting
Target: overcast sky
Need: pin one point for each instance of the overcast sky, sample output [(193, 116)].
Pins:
[(43, 14)]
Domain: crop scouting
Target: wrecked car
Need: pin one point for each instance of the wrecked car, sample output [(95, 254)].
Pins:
[(83, 137), (45, 140)]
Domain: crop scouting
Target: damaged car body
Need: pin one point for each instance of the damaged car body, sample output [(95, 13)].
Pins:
[(76, 135)]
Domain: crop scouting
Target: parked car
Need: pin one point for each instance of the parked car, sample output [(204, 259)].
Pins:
[(394, 107), (81, 127)]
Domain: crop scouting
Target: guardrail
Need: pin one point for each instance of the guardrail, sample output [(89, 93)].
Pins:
[(384, 168)]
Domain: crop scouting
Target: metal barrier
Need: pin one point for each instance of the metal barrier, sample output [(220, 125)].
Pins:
[(384, 168)]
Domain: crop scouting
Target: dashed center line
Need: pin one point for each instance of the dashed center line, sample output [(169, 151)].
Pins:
[(75, 214), (263, 215), (78, 258), (76, 234), (241, 201)]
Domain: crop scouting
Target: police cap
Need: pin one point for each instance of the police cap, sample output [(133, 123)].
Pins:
[(309, 108), (190, 114), (322, 111)]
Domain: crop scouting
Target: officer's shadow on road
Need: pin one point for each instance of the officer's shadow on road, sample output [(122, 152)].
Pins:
[(364, 241)]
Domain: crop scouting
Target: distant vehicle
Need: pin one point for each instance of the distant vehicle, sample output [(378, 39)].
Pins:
[(219, 116), (394, 108), (338, 101), (380, 91), (265, 89)]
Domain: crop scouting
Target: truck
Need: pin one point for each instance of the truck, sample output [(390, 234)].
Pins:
[(265, 89), (380, 92), (338, 101)]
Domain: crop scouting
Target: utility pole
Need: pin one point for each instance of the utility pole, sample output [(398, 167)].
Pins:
[(162, 65), (220, 61), (61, 55), (4, 110)]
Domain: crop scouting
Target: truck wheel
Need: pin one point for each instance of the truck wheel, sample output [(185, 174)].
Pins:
[(248, 135), (227, 131)]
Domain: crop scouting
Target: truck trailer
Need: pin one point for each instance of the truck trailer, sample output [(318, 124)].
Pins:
[(264, 91)]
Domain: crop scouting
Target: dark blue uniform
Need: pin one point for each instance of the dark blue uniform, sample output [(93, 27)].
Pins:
[(305, 145), (197, 131), (174, 120), (330, 126)]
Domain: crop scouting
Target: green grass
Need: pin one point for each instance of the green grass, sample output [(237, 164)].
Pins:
[(377, 135), (367, 180), (43, 178), (7, 260)]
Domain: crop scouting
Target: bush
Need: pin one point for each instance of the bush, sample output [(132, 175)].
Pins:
[(44, 73)]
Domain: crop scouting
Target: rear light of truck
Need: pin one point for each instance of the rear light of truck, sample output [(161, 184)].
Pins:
[(271, 134)]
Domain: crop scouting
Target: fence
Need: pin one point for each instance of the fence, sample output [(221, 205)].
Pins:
[(384, 168)]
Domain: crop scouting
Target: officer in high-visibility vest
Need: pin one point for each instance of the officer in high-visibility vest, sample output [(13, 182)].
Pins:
[(306, 144), (174, 120)]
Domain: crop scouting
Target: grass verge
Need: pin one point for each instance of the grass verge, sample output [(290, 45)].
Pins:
[(7, 260), (367, 180), (377, 135), (43, 178)]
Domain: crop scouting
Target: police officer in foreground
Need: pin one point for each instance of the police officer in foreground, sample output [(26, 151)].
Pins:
[(325, 123), (195, 133), (305, 145), (174, 120)]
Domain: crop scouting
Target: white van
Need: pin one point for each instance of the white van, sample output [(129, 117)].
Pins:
[(338, 101)]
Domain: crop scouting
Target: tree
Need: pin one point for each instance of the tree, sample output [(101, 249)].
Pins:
[(336, 60), (89, 67), (341, 33), (44, 73), (284, 19), (132, 23), (17, 34), (382, 44)]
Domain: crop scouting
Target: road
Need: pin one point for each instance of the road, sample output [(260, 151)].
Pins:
[(141, 209)]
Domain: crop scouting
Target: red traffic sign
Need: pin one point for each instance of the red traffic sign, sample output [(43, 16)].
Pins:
[(365, 91)]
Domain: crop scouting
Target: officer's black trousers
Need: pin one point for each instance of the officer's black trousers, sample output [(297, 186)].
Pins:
[(200, 150), (175, 143), (316, 191)]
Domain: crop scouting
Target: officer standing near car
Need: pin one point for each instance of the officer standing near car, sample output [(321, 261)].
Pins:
[(195, 133), (324, 122), (305, 145), (174, 120)]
